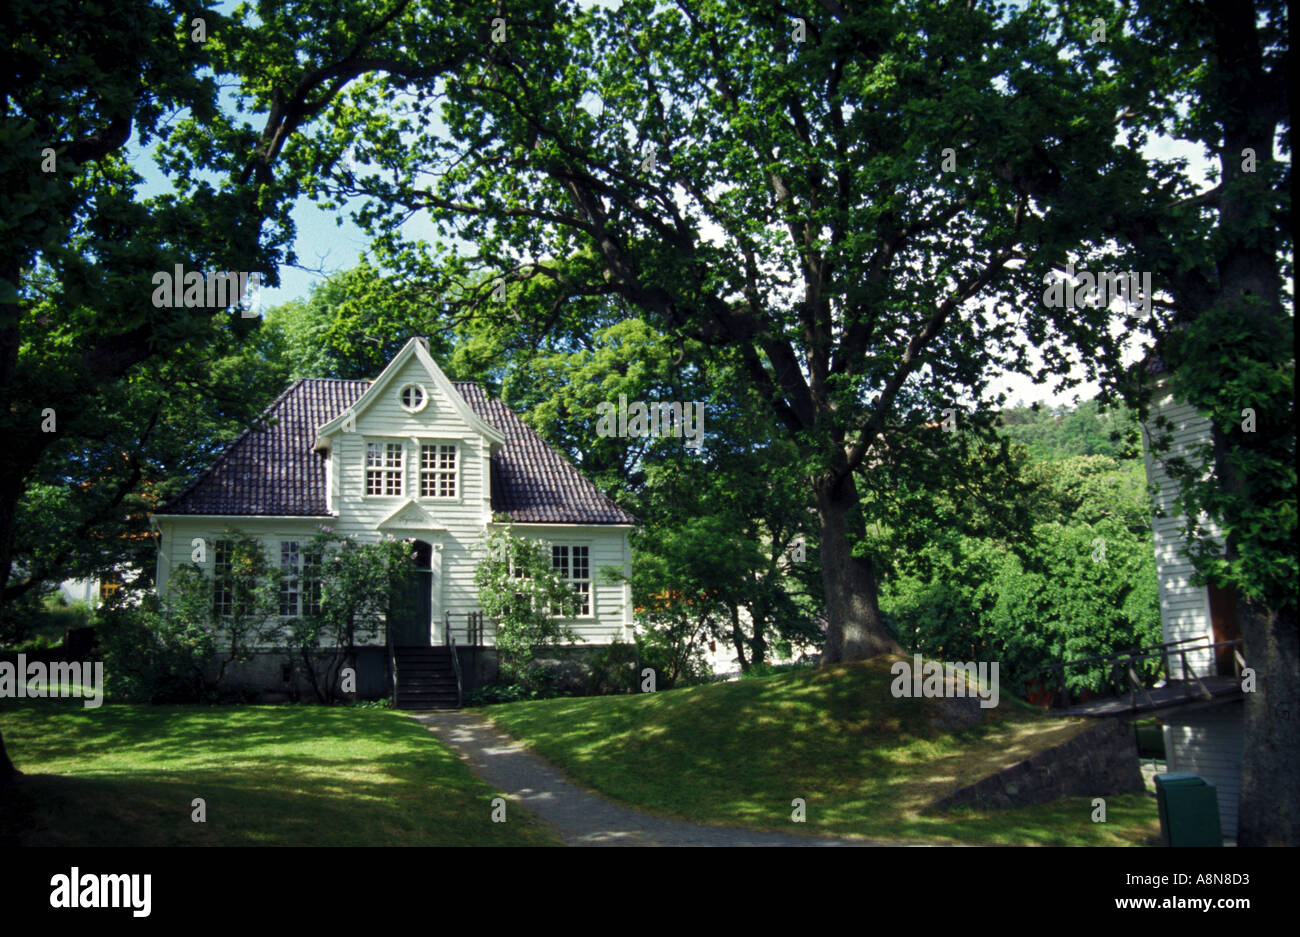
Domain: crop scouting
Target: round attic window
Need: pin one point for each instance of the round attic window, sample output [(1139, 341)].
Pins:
[(412, 398)]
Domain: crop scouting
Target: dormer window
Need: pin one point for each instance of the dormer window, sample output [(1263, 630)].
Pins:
[(412, 398)]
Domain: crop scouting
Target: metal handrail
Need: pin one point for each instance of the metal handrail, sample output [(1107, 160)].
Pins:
[(475, 626), (392, 659), (450, 640)]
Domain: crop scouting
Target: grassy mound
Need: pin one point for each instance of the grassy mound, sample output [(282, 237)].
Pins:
[(866, 764)]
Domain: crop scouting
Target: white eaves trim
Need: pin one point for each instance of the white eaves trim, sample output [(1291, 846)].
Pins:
[(420, 350)]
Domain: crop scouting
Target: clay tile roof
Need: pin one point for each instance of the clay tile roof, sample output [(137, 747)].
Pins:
[(271, 468)]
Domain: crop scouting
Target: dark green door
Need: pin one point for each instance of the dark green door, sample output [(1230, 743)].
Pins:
[(411, 610)]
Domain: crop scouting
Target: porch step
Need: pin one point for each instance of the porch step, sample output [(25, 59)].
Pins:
[(425, 678)]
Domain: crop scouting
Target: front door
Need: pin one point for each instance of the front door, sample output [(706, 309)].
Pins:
[(412, 609)]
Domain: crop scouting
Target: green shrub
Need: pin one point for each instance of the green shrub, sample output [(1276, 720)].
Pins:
[(151, 656), (507, 693)]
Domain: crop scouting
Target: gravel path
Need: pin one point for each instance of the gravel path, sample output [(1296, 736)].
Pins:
[(580, 817)]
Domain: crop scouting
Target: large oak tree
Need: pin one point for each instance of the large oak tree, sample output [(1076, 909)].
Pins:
[(1216, 75), (853, 197)]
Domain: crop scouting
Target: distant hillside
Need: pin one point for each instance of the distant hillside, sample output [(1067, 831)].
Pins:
[(1060, 432)]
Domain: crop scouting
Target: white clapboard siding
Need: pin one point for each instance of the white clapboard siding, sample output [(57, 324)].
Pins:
[(456, 527), (1184, 606), (610, 618), (1209, 743), (179, 534)]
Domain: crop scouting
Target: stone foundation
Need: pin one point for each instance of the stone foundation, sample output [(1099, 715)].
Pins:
[(263, 679), (278, 676)]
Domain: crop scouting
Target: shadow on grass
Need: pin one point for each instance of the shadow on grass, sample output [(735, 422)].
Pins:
[(297, 775), (865, 763)]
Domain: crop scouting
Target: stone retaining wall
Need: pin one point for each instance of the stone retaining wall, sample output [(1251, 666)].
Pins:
[(1099, 761)]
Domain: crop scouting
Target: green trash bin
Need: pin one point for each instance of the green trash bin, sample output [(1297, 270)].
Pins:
[(1189, 810)]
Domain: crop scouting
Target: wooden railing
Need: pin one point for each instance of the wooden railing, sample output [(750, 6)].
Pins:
[(1194, 686)]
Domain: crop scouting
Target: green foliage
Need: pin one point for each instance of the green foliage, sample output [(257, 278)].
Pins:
[(352, 325), (165, 651), (356, 582), (153, 655), (22, 618), (495, 693), (794, 223), (1242, 377), (1082, 584), (1062, 432), (613, 670), (127, 148), (669, 643), (529, 600)]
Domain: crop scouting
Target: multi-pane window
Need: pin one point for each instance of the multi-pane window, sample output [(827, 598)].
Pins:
[(109, 586), (223, 587), (438, 471), (574, 564), (384, 468), (311, 581), (290, 571)]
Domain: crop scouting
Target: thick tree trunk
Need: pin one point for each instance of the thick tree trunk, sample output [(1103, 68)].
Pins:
[(1269, 812), (855, 630), (8, 773), (738, 639), (759, 645)]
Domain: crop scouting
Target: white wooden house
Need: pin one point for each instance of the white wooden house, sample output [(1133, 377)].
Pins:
[(416, 456), (1205, 740)]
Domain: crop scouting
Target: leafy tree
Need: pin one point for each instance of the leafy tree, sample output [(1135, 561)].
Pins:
[(86, 507), (93, 90), (351, 589), (1082, 583), (1214, 74), (528, 599), (787, 201), (163, 651), (1088, 429), (352, 325)]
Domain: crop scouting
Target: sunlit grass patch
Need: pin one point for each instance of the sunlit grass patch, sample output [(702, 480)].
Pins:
[(284, 775), (867, 764)]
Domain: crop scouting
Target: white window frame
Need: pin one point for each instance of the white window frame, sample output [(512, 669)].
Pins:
[(310, 588), (384, 470), (424, 397), (437, 473), (290, 578), (223, 587), (570, 549)]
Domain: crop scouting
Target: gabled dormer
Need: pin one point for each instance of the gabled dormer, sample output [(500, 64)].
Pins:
[(410, 438)]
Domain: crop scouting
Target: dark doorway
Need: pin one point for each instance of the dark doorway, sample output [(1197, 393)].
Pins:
[(412, 601), (1224, 627)]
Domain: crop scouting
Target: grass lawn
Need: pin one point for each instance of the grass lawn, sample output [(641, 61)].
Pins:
[(865, 763), (270, 775)]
